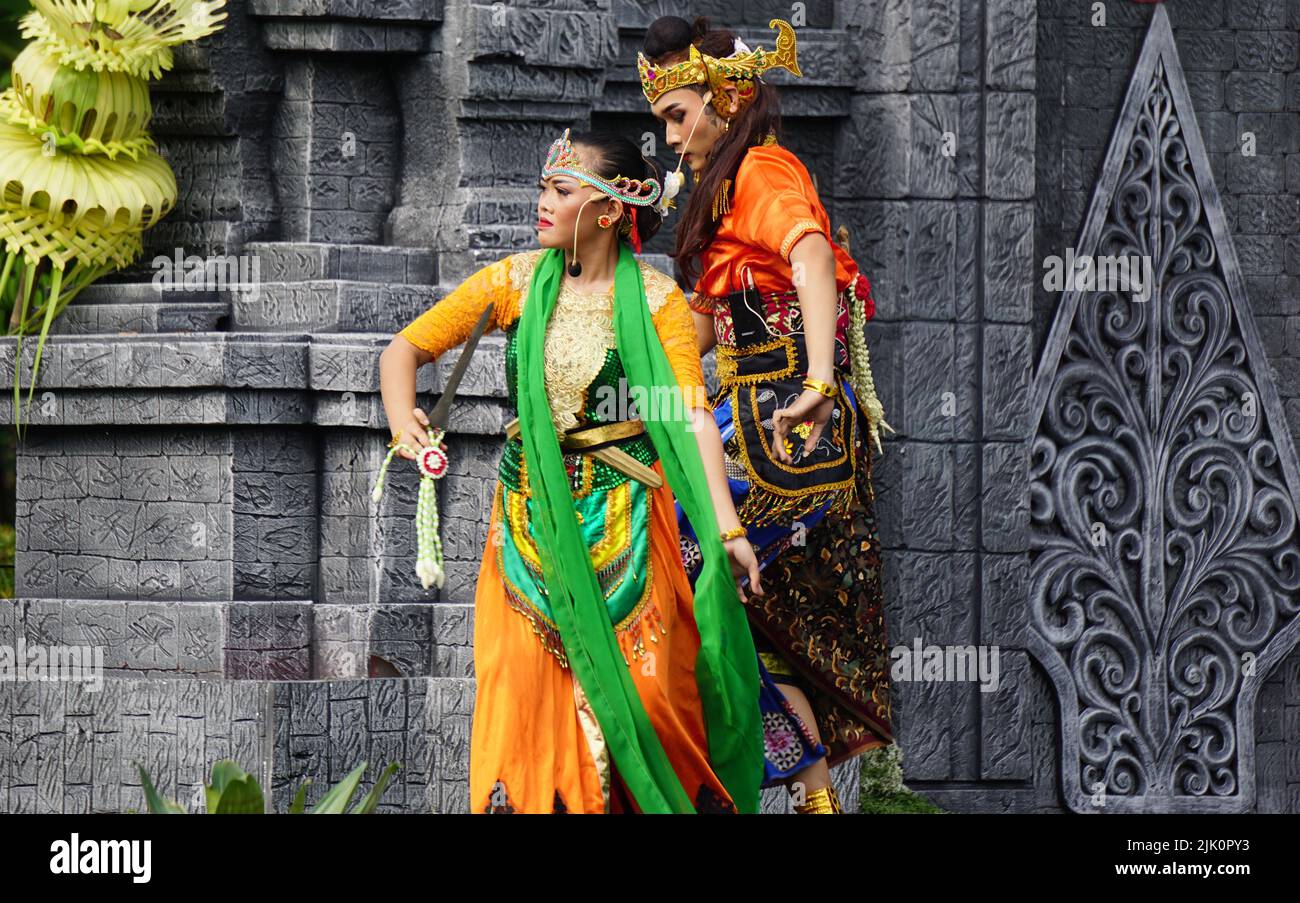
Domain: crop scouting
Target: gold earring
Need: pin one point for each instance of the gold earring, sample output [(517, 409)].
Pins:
[(604, 221)]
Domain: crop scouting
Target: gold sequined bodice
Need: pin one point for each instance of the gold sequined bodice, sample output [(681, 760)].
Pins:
[(578, 337), (580, 334)]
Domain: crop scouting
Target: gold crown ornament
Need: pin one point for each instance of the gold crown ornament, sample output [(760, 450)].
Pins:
[(741, 69)]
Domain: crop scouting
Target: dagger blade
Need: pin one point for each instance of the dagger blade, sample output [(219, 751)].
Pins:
[(441, 412)]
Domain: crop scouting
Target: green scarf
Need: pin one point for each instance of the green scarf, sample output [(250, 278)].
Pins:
[(726, 668)]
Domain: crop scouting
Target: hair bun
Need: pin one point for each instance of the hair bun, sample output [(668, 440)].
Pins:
[(700, 27), (668, 35)]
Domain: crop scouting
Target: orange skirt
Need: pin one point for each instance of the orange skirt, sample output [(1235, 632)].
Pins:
[(535, 745)]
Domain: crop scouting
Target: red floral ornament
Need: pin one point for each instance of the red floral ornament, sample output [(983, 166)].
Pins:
[(433, 462), (862, 291)]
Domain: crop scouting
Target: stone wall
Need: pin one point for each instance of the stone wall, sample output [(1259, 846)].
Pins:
[(70, 749), (937, 176), (1241, 61)]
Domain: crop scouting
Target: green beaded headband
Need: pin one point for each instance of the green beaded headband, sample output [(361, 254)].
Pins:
[(564, 160)]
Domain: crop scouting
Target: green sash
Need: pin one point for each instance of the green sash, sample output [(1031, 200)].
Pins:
[(726, 669)]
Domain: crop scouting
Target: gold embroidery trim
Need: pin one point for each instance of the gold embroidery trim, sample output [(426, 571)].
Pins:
[(617, 537), (587, 464), (580, 334), (521, 272), (545, 629), (658, 286), (595, 739), (728, 355), (775, 664), (633, 616), (796, 232)]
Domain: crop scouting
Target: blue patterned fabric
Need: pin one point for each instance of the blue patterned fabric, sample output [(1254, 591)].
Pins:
[(787, 747)]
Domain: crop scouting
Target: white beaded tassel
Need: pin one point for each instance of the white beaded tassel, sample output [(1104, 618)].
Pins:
[(428, 542), (428, 558)]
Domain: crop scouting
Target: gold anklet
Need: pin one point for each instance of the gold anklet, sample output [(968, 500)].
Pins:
[(823, 801)]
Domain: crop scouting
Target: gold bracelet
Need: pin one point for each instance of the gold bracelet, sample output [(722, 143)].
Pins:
[(395, 439), (820, 387), (734, 533)]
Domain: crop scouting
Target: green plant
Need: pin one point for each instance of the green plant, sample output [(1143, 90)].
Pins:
[(234, 791), (882, 771), (883, 791), (83, 177), (6, 561)]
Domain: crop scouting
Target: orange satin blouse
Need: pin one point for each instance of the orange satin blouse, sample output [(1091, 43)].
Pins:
[(774, 204)]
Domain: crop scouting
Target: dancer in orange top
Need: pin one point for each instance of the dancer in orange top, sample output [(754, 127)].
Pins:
[(785, 308)]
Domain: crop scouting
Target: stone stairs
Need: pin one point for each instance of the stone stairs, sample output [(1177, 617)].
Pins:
[(309, 287), (142, 307)]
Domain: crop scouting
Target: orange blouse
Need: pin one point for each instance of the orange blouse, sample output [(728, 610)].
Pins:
[(450, 322), (774, 204)]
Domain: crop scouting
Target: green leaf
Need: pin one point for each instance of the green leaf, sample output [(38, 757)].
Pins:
[(157, 803), (245, 793), (336, 799), (52, 298), (29, 276), (367, 805), (8, 287), (224, 771), (300, 799), (242, 797)]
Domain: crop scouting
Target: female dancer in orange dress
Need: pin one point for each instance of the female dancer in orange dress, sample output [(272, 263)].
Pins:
[(792, 358), (602, 685)]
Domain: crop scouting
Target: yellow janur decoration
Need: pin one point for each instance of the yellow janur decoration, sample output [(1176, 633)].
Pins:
[(81, 176)]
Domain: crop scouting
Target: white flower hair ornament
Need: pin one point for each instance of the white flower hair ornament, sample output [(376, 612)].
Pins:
[(673, 183)]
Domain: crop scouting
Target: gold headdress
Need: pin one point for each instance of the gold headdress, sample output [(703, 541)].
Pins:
[(741, 68)]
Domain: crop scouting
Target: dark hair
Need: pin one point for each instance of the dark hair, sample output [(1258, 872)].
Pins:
[(668, 41), (617, 156)]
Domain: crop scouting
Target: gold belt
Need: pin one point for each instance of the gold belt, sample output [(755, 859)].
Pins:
[(585, 437)]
